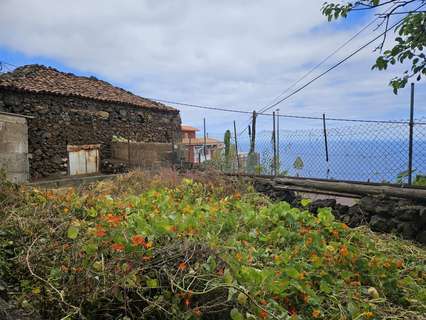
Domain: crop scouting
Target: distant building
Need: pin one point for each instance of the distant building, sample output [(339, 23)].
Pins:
[(194, 147)]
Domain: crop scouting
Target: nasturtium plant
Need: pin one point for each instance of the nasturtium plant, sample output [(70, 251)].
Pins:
[(190, 251)]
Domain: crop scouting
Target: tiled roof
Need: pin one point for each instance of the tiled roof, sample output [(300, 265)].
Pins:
[(200, 141), (41, 79), (188, 128)]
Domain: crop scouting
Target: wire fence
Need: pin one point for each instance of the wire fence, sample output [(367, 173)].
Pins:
[(365, 151), (338, 149)]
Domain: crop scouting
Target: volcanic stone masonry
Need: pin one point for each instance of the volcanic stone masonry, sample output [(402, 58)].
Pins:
[(62, 120), (399, 216)]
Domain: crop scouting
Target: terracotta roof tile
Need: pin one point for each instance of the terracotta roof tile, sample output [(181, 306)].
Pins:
[(42, 79), (188, 128), (200, 141)]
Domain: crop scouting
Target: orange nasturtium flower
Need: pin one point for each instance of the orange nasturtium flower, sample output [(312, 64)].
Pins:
[(119, 247), (100, 232), (316, 313), (263, 314), (172, 228), (182, 266), (187, 302), (113, 220), (148, 245), (344, 251), (138, 240), (399, 264)]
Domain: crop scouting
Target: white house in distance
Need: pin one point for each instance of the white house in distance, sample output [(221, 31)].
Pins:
[(194, 147)]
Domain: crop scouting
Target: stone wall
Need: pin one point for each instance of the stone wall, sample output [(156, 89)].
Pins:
[(403, 217), (60, 121)]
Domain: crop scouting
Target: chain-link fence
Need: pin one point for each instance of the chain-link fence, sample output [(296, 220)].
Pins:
[(339, 149)]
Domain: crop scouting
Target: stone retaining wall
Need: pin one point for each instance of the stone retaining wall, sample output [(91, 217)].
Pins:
[(60, 121), (403, 217)]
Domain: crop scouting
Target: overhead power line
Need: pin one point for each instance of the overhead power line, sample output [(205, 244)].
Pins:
[(339, 63), (281, 115), (319, 64), (322, 61)]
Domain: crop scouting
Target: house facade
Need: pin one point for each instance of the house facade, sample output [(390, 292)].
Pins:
[(74, 119), (194, 147)]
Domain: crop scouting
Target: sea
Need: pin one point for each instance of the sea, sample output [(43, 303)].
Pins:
[(351, 158)]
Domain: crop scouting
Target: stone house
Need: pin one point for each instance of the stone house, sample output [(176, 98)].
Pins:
[(74, 119)]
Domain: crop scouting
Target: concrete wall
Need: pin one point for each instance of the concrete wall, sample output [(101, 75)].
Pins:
[(14, 147), (61, 121), (143, 155)]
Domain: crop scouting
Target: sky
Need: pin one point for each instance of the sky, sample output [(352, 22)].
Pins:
[(237, 54)]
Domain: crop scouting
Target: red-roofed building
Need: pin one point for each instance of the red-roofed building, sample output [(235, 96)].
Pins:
[(194, 152), (75, 118)]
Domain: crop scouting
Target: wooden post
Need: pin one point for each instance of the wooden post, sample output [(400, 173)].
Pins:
[(410, 138), (236, 147)]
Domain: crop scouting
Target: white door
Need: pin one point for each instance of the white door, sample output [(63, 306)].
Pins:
[(83, 161)]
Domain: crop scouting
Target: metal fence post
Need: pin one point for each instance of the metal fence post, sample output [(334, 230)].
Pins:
[(277, 161), (236, 147), (325, 142), (410, 138), (274, 145), (253, 134), (205, 151)]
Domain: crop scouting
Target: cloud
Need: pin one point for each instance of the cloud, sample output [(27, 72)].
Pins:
[(238, 53)]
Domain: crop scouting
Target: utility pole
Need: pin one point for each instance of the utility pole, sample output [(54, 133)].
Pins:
[(205, 138), (236, 147)]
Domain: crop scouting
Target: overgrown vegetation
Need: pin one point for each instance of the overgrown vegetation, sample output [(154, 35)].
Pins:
[(173, 247)]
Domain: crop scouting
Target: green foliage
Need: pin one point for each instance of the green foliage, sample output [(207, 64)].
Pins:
[(410, 38), (298, 164), (193, 250), (227, 142), (420, 180)]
